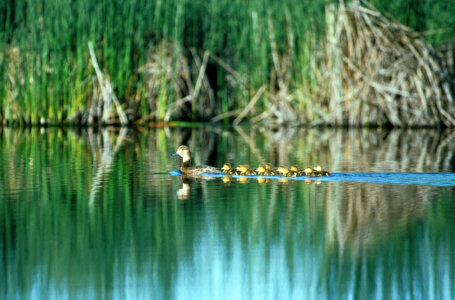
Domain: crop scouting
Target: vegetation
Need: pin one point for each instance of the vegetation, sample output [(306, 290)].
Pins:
[(177, 60)]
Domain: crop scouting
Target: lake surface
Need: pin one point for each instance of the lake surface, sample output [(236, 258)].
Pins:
[(96, 214)]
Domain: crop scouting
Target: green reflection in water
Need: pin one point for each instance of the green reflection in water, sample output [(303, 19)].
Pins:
[(95, 215)]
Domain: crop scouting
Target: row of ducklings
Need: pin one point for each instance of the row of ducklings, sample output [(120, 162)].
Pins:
[(268, 170)]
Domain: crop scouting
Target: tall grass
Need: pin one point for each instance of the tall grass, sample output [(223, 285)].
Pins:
[(46, 70)]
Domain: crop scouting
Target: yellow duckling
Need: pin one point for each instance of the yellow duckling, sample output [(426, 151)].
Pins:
[(284, 171), (268, 166), (295, 170), (269, 171), (321, 172), (242, 169), (317, 171), (260, 169), (308, 171), (227, 169)]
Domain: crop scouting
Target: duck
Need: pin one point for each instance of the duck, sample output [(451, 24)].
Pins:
[(185, 153), (295, 169), (228, 169), (260, 169), (269, 171), (319, 172), (242, 169), (308, 171), (284, 171)]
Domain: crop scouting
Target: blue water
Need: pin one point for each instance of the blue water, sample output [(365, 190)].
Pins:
[(431, 179)]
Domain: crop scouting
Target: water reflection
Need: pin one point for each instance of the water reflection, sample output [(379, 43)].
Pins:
[(95, 215)]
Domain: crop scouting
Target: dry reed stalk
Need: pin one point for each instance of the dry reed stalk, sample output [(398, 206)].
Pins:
[(280, 102), (171, 92), (250, 106), (382, 72), (107, 93)]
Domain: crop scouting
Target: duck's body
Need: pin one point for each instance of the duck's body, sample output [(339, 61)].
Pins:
[(319, 172), (308, 171), (251, 172), (295, 171), (268, 167), (260, 169), (242, 169), (284, 171), (186, 168), (228, 169), (315, 172)]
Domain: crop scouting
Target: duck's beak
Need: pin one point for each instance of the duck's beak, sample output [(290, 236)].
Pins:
[(174, 154)]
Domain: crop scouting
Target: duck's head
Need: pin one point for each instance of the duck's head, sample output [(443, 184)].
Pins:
[(261, 168), (283, 170), (268, 166), (308, 171), (243, 168), (318, 168), (294, 168), (184, 152), (226, 167)]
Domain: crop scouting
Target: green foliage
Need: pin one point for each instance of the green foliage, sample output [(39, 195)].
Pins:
[(51, 72)]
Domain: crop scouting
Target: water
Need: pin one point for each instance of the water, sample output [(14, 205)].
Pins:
[(97, 215)]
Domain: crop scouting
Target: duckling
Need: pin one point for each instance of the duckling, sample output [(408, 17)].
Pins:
[(269, 171), (242, 169), (227, 169), (251, 172), (295, 170), (308, 171), (260, 169), (268, 166), (185, 153), (317, 171), (284, 171), (321, 172)]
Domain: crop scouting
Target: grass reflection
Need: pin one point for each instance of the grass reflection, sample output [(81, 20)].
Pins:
[(139, 235)]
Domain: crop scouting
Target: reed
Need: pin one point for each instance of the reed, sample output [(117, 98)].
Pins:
[(175, 60)]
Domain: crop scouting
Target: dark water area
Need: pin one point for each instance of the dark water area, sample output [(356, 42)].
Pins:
[(87, 214)]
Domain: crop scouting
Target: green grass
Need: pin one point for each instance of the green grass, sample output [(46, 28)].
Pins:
[(51, 71)]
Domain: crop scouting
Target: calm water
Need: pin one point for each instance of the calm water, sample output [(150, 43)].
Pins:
[(97, 215)]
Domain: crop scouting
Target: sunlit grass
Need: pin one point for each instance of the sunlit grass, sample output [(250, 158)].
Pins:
[(48, 79)]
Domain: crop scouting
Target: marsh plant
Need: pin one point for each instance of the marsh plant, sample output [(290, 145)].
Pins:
[(293, 62)]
